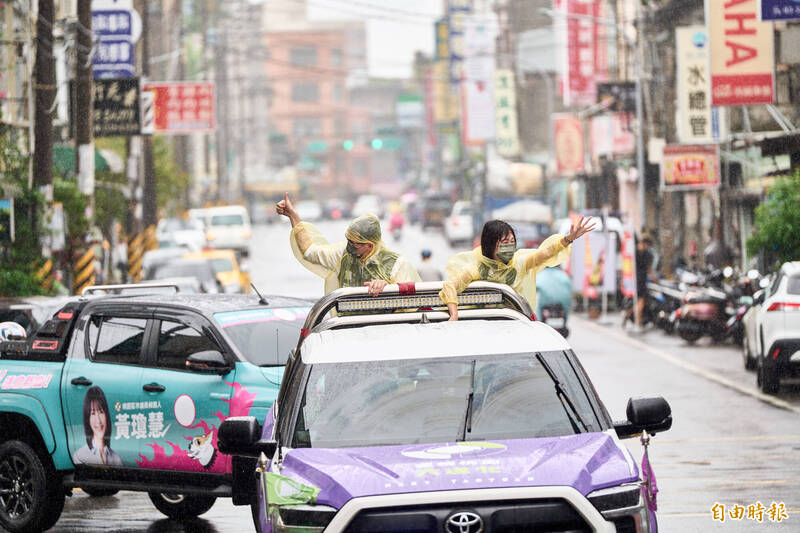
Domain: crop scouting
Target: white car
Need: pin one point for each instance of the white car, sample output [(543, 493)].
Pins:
[(309, 210), (188, 232), (226, 227), (772, 329), (368, 203), (458, 226)]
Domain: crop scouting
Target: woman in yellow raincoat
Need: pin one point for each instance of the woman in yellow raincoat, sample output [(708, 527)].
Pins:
[(506, 264), (361, 260)]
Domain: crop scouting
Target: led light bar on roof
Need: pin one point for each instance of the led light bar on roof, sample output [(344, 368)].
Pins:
[(369, 303)]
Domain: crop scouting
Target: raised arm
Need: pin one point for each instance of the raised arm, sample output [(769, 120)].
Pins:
[(554, 249)]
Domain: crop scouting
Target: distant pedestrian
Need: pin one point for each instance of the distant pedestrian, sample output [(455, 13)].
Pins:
[(428, 272)]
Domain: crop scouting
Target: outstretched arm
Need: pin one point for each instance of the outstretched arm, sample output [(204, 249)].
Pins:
[(452, 287), (553, 250)]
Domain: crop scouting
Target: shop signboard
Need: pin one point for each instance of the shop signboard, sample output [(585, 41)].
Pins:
[(698, 122), (116, 108), (692, 166), (741, 54), (505, 104), (182, 107), (779, 9), (569, 144)]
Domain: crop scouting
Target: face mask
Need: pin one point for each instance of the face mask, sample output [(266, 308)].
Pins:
[(351, 250), (505, 252)]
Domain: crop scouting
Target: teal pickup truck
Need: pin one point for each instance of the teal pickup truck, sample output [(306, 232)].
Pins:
[(127, 393)]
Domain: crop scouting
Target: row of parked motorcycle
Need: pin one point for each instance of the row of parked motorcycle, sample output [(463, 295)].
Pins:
[(698, 304)]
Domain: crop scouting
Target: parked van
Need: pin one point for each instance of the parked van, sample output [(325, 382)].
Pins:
[(226, 227)]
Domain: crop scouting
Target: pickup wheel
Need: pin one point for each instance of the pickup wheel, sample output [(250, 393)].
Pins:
[(31, 492), (254, 511), (181, 506)]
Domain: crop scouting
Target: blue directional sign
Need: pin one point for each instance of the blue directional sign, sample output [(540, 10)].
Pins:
[(113, 55), (780, 9)]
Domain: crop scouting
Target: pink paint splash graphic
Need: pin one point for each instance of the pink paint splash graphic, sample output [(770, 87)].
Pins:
[(177, 458)]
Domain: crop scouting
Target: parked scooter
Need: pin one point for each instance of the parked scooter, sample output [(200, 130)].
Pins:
[(709, 310)]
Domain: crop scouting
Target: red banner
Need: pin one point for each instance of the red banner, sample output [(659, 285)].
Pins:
[(182, 107), (586, 58), (569, 145)]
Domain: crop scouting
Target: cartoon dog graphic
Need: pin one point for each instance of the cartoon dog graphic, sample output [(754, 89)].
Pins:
[(201, 450)]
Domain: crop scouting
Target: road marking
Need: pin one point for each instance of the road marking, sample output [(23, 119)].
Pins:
[(694, 369)]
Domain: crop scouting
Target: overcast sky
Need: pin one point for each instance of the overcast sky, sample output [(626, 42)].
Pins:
[(395, 29)]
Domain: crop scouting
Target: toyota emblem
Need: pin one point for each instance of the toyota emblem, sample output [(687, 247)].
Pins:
[(464, 522)]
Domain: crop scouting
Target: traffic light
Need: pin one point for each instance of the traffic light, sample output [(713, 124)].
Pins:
[(377, 143), (347, 145)]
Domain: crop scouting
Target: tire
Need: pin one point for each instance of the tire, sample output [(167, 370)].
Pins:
[(96, 492), (181, 506), (767, 379), (37, 494), (689, 335), (749, 360)]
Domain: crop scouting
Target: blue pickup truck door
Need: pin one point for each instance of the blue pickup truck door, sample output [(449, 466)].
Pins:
[(100, 385), (193, 402)]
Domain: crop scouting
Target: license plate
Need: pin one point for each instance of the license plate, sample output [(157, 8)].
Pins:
[(555, 322)]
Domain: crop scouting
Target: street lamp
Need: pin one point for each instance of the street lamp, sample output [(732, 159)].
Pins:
[(637, 65)]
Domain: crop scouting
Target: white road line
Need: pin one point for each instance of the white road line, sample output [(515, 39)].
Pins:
[(694, 369)]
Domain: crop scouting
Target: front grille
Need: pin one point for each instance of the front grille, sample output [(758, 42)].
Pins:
[(516, 516), (625, 524)]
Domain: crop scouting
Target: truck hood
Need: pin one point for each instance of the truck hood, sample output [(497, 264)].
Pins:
[(585, 462)]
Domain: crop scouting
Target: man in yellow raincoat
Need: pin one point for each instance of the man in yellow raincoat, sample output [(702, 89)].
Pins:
[(503, 263), (361, 260)]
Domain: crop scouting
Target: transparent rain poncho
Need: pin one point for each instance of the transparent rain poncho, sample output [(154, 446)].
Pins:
[(519, 273), (338, 268)]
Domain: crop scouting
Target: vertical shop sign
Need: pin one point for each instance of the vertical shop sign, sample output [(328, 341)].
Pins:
[(478, 113), (698, 122), (742, 56), (569, 144), (585, 59), (505, 104)]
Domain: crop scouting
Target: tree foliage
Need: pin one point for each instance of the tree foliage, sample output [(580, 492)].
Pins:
[(171, 181), (17, 259), (777, 223)]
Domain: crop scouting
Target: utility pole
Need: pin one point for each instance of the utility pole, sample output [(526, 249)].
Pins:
[(84, 160), (149, 203), (45, 76), (220, 64)]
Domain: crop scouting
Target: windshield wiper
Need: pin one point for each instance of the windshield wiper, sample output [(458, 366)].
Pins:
[(562, 395), (466, 425)]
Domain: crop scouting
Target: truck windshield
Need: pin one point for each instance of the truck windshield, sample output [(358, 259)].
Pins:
[(264, 336), (424, 401)]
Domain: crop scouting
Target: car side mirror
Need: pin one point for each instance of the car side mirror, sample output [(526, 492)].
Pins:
[(241, 435), (758, 297), (644, 414), (209, 361)]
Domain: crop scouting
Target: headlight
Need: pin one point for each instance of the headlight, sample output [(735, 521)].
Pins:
[(311, 518), (624, 506)]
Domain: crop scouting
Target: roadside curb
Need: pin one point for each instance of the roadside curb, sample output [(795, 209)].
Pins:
[(689, 367)]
